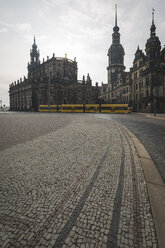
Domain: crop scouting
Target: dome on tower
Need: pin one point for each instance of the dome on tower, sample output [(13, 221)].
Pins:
[(116, 54), (116, 47), (116, 29), (153, 41)]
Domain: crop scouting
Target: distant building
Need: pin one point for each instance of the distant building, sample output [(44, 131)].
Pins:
[(143, 87), (53, 81)]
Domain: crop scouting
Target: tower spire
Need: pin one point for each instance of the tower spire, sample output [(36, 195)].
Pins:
[(116, 28), (116, 15), (153, 28), (115, 54), (153, 10)]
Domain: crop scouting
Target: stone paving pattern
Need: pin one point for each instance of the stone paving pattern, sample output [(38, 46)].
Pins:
[(81, 185), (150, 131)]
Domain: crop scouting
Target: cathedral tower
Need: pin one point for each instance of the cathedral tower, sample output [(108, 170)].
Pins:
[(115, 54), (34, 56)]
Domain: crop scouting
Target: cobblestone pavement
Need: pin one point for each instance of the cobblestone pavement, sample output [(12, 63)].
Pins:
[(18, 127), (78, 186), (150, 131)]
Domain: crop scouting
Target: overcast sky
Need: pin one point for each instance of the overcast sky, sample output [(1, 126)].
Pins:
[(79, 28)]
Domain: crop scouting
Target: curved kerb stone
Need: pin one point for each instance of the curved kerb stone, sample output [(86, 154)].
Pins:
[(155, 186)]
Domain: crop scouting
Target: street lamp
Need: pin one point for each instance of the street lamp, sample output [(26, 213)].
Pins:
[(156, 91), (49, 86), (155, 106)]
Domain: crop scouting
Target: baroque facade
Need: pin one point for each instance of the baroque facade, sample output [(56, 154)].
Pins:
[(53, 81), (143, 87)]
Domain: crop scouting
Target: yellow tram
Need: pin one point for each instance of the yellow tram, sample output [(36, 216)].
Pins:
[(86, 108), (115, 108), (91, 108), (71, 108), (47, 108)]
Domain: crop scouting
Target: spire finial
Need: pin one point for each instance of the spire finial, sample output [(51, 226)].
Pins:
[(153, 28), (34, 39), (115, 14), (153, 10), (116, 28)]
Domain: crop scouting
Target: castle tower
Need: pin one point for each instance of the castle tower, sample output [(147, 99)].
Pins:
[(153, 45), (115, 54)]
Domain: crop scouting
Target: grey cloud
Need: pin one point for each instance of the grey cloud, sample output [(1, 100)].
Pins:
[(3, 30), (19, 27)]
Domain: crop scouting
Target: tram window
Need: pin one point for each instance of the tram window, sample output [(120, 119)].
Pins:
[(121, 108), (106, 108), (78, 108), (90, 108), (44, 108), (67, 108)]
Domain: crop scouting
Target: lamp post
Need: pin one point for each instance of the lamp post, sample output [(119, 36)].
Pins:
[(156, 91), (49, 87), (155, 106)]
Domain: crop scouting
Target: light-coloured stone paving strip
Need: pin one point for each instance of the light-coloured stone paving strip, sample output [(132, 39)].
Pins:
[(141, 223), (67, 183), (160, 117)]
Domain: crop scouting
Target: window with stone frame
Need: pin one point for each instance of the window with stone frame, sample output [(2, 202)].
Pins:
[(147, 82), (135, 75), (147, 93)]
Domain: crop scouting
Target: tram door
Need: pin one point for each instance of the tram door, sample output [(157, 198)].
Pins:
[(113, 110)]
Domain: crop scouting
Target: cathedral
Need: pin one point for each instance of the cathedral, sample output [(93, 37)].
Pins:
[(53, 81), (143, 87)]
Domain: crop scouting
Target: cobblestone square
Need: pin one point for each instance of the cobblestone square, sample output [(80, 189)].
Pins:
[(80, 184)]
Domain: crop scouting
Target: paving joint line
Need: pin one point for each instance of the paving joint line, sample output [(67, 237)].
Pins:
[(112, 234)]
